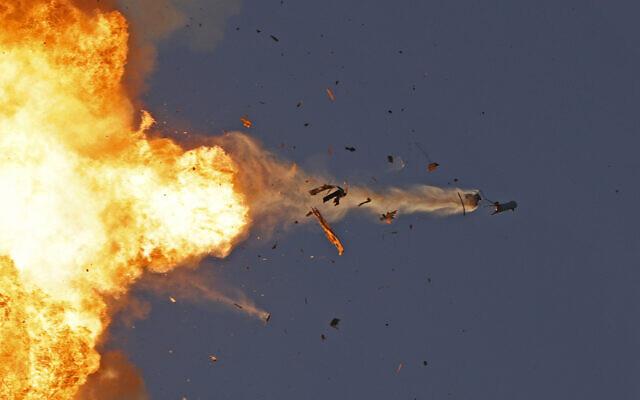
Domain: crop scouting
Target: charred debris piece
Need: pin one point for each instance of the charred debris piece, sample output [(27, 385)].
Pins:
[(502, 207), (331, 236), (388, 217), (350, 148), (432, 166), (336, 195), (368, 200), (320, 189), (334, 323)]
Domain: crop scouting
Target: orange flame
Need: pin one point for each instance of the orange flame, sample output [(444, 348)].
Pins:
[(88, 201)]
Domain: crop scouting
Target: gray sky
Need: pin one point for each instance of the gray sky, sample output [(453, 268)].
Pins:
[(532, 101)]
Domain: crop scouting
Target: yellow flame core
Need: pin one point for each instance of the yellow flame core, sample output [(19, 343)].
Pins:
[(88, 202)]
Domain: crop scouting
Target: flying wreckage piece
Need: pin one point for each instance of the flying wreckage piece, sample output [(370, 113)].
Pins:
[(331, 236), (502, 207), (336, 195)]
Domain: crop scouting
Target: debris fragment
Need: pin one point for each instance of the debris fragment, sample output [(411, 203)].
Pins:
[(267, 317), (275, 39), (502, 207), (388, 217), (331, 236), (350, 148), (368, 200), (275, 245), (323, 337), (334, 323), (330, 94), (213, 358), (336, 196), (238, 305), (299, 104), (390, 159), (246, 122), (172, 299), (319, 189), (399, 368), (432, 166)]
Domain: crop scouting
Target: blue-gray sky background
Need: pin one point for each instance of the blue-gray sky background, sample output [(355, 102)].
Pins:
[(531, 101)]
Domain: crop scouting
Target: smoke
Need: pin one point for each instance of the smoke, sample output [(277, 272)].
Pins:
[(201, 22), (117, 379), (277, 191), (200, 287)]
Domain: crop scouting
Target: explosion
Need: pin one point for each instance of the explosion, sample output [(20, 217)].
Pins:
[(88, 201), (91, 200)]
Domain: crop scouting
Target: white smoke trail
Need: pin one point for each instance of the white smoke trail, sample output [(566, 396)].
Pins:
[(279, 192)]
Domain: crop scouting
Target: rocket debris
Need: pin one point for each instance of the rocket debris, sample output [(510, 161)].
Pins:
[(330, 94), (267, 317), (368, 200), (336, 196), (238, 305), (213, 358), (502, 207), (432, 166), (334, 323), (388, 216), (246, 122), (319, 189), (350, 148), (331, 236)]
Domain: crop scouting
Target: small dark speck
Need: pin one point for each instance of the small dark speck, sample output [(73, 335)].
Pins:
[(306, 124), (275, 39), (425, 363), (390, 112), (258, 31)]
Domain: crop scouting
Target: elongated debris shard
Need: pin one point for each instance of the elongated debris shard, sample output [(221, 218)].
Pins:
[(331, 236)]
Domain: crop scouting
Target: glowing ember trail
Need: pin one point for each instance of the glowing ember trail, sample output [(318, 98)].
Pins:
[(88, 202)]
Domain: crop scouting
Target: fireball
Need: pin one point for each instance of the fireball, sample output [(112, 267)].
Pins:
[(89, 200)]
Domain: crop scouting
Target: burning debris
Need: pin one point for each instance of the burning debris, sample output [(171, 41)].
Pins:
[(368, 200), (246, 122), (331, 236), (432, 166), (213, 359), (388, 217), (330, 94)]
